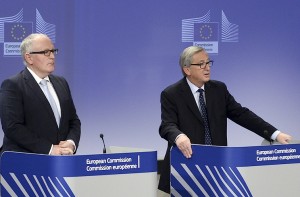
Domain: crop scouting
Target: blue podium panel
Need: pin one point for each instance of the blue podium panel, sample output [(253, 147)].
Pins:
[(117, 174), (236, 171)]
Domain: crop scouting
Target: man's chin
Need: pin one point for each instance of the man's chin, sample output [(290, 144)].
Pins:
[(207, 79)]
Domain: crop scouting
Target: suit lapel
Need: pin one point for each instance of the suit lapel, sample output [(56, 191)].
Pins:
[(36, 90), (57, 87), (209, 98), (189, 99), (209, 105)]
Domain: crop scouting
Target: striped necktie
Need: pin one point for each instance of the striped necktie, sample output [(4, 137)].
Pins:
[(203, 110)]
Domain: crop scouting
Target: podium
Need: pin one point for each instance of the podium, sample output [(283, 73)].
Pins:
[(113, 174), (236, 171)]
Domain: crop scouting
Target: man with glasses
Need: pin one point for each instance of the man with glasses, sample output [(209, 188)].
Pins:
[(195, 110), (36, 107)]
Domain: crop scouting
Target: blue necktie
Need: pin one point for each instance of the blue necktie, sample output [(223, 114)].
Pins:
[(202, 107), (50, 99)]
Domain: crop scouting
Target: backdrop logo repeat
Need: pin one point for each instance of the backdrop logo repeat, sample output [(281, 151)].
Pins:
[(205, 33), (14, 29)]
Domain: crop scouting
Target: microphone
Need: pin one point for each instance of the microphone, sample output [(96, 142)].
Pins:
[(102, 137)]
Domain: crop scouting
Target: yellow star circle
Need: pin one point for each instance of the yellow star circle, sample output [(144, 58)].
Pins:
[(18, 32), (206, 32)]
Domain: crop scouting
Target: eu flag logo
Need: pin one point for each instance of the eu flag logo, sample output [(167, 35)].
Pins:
[(17, 31), (204, 32)]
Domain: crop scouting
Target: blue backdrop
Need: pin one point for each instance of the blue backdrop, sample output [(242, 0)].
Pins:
[(119, 55)]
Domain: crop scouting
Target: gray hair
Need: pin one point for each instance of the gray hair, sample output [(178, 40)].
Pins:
[(186, 56), (27, 44)]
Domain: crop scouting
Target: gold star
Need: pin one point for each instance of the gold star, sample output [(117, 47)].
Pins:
[(14, 31), (206, 35)]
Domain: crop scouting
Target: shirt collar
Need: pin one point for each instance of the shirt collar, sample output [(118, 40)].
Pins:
[(37, 78), (194, 88)]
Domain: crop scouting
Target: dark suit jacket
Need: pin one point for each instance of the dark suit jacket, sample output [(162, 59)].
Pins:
[(180, 114), (27, 119)]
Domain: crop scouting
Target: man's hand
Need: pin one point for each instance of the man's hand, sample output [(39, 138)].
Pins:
[(67, 148), (283, 138), (55, 150), (184, 145), (64, 148)]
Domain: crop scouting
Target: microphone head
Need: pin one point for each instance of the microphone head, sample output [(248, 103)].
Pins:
[(102, 137)]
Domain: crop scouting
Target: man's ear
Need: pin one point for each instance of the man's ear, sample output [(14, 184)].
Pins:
[(28, 58), (186, 70)]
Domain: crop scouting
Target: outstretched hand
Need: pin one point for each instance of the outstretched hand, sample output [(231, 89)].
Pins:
[(283, 138), (185, 146)]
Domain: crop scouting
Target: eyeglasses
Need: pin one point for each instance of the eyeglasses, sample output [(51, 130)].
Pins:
[(46, 52), (204, 64)]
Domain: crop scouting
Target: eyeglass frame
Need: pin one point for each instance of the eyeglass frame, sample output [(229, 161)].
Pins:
[(46, 52), (202, 65)]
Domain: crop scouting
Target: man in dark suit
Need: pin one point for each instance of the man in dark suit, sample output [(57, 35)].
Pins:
[(29, 122), (182, 117)]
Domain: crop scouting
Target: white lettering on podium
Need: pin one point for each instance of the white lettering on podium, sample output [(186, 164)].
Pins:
[(96, 162), (277, 154), (120, 160), (123, 163), (98, 168)]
